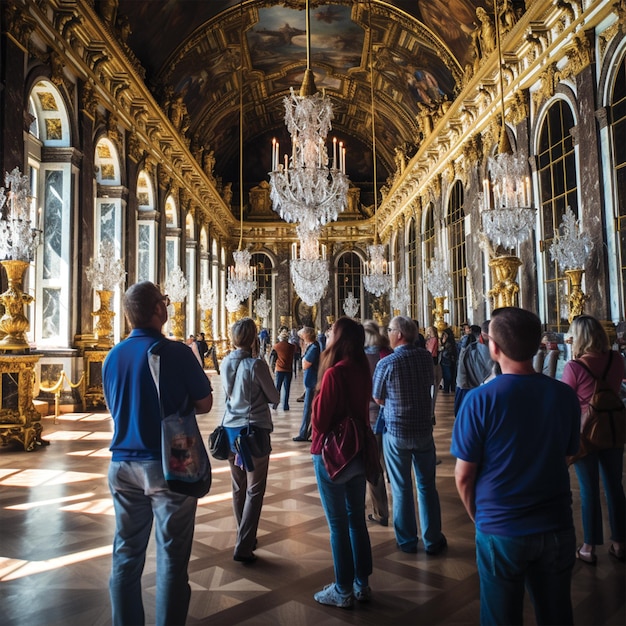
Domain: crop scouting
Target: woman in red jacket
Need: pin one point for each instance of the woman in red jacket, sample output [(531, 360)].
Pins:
[(344, 389)]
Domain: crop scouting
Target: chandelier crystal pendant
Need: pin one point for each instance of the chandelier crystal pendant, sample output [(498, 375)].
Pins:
[(262, 307), (305, 188), (309, 271), (241, 276)]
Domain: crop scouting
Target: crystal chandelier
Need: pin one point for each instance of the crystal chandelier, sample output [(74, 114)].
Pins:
[(309, 271), (241, 276), (306, 189), (511, 220), (262, 307), (377, 278), (18, 240), (401, 298), (105, 271), (571, 248), (350, 305), (437, 278)]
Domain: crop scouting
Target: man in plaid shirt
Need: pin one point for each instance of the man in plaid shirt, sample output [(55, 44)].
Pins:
[(403, 386)]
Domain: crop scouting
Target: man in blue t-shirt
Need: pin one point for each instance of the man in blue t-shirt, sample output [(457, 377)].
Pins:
[(310, 363), (511, 437), (140, 493)]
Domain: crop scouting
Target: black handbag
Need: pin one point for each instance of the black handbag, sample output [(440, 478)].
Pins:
[(257, 440), (219, 445)]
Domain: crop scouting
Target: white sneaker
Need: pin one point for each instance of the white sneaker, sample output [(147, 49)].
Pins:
[(362, 594), (330, 596)]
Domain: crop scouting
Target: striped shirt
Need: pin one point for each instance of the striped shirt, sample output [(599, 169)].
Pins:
[(404, 380)]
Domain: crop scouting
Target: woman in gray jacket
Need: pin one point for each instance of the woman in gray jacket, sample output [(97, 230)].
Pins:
[(248, 387)]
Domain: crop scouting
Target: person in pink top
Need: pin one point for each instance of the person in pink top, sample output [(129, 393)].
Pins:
[(590, 345)]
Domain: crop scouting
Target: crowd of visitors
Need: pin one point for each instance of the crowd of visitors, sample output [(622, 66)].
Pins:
[(364, 379)]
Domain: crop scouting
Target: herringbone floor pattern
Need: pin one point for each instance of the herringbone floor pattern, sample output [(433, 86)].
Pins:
[(56, 526)]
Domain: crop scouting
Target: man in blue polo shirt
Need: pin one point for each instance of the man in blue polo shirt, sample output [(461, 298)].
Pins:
[(511, 437), (139, 490)]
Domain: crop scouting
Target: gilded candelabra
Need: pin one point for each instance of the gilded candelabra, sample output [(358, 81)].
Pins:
[(570, 249), (207, 301), (18, 241), (105, 273), (505, 288), (176, 288), (439, 283)]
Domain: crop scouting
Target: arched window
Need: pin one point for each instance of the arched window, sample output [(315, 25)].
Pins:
[(349, 270), (172, 237), (146, 229), (558, 190), (618, 132), (50, 172), (428, 252), (108, 211), (412, 273), (455, 222)]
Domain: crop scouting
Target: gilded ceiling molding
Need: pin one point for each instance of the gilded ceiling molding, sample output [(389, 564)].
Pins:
[(518, 108), (89, 99), (19, 25), (135, 149), (549, 79), (579, 54)]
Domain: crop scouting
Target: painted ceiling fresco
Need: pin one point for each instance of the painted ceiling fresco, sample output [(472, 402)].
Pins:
[(206, 51)]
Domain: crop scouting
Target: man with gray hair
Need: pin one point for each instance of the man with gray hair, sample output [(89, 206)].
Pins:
[(403, 385), (141, 497)]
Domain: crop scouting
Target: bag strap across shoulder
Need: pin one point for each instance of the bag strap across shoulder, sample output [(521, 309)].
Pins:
[(606, 369)]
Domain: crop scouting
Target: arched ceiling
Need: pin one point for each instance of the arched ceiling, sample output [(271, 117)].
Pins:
[(192, 50)]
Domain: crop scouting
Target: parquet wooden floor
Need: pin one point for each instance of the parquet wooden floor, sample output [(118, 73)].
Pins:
[(56, 525)]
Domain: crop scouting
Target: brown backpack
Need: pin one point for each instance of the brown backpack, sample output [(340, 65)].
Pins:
[(603, 425)]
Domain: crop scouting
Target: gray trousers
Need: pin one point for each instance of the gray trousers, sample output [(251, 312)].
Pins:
[(248, 492)]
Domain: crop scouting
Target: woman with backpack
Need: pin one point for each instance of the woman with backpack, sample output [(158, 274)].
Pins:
[(593, 362)]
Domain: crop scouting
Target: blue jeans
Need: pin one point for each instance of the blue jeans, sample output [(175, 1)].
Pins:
[(398, 459), (283, 378), (542, 562), (608, 464), (344, 506), (305, 426), (448, 373), (140, 495)]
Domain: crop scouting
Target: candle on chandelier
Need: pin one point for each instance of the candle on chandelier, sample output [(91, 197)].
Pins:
[(335, 152), (527, 200), (274, 154), (342, 156)]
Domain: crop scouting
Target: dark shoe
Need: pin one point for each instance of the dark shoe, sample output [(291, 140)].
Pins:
[(299, 439), (245, 559), (408, 549), (439, 547), (590, 559), (620, 555), (382, 522), (285, 408), (300, 399), (274, 406), (437, 461)]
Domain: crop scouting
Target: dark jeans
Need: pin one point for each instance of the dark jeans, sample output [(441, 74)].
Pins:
[(448, 373), (305, 426), (283, 378), (608, 464), (542, 563)]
